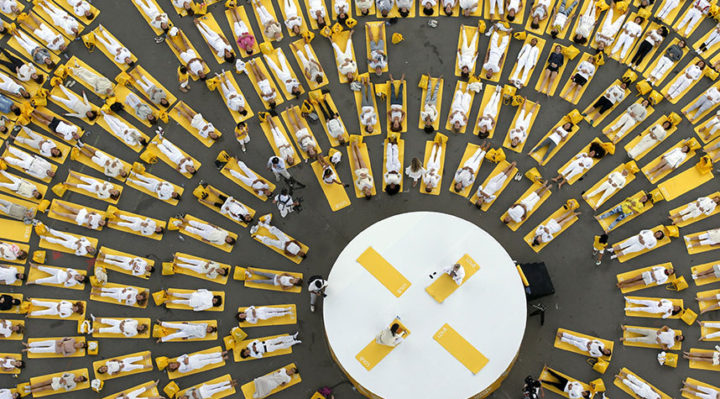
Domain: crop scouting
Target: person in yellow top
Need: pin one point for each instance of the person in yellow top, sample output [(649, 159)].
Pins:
[(183, 78), (599, 246), (241, 134), (626, 208)]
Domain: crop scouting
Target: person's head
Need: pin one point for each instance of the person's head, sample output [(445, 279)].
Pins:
[(448, 10), (716, 199), (396, 125), (365, 12), (394, 328), (392, 189), (229, 240), (586, 394), (79, 277), (667, 125), (535, 24), (568, 126), (15, 302), (639, 20), (676, 310), (428, 128), (102, 369), (682, 44), (663, 31), (241, 316), (17, 328), (578, 39), (217, 301), (416, 165), (685, 149), (141, 298), (80, 345), (245, 353), (55, 152), (172, 366), (679, 338), (80, 378), (457, 127), (78, 307), (465, 72), (210, 329), (404, 12), (292, 371), (427, 10), (384, 13), (229, 56), (114, 194), (428, 188), (458, 186), (623, 85), (596, 150), (202, 75), (553, 33), (659, 235), (533, 42), (514, 142), (510, 15), (91, 115), (645, 102)]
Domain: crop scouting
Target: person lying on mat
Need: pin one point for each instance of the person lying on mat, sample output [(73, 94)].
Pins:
[(519, 210), (81, 216), (278, 239), (64, 383), (136, 266), (195, 65), (129, 296), (614, 182), (257, 348), (664, 336), (456, 272), (657, 275), (65, 277), (188, 363), (127, 327), (266, 384), (393, 167), (580, 164), (252, 314), (713, 272), (57, 126), (10, 251), (713, 299), (572, 388), (712, 358), (707, 238), (644, 240), (63, 346), (7, 328), (250, 179), (630, 206), (634, 114), (431, 178), (363, 178), (208, 268), (284, 280), (546, 232), (593, 347), (207, 232), (663, 307), (198, 300), (465, 176), (112, 166), (655, 135), (487, 194), (10, 274), (80, 245), (396, 112), (207, 391), (204, 128), (185, 330), (227, 206), (390, 336), (641, 388), (467, 54), (699, 391)]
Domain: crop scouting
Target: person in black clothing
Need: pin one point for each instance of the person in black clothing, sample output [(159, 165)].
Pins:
[(652, 40), (7, 302), (555, 61)]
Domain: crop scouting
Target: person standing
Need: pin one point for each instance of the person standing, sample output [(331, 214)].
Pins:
[(316, 286)]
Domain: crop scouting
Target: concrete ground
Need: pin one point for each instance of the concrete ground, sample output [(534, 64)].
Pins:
[(586, 299)]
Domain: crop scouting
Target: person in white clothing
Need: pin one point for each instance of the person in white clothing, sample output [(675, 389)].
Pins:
[(217, 42), (79, 244), (667, 7), (135, 394), (208, 391), (488, 119), (582, 162), (562, 13), (344, 58), (277, 239), (311, 67), (182, 163), (593, 347), (257, 348), (520, 210), (665, 337), (21, 187), (285, 281), (663, 307), (712, 40), (697, 10), (258, 185), (429, 111), (487, 194), (364, 181), (557, 136), (227, 206), (126, 365), (513, 8), (546, 232), (9, 275), (519, 131), (60, 276), (208, 268), (80, 107), (652, 40), (31, 164), (431, 177), (10, 86), (267, 91), (128, 134), (270, 26), (467, 54), (526, 61), (154, 92), (127, 327), (317, 12), (657, 275), (39, 54), (333, 122), (700, 391), (195, 65), (605, 36), (641, 388), (158, 19), (460, 108), (496, 8), (62, 309), (80, 215), (391, 336), (266, 384), (123, 295), (570, 388), (456, 273), (188, 363), (204, 128), (10, 7), (614, 182), (252, 314), (364, 6), (233, 99), (644, 240), (144, 226), (342, 10), (668, 162), (393, 167), (63, 346), (612, 96), (703, 206), (495, 54), (465, 175), (285, 150), (292, 21), (586, 24), (539, 12), (44, 146), (710, 300), (207, 232), (705, 337), (52, 40), (186, 331), (692, 74), (101, 189), (284, 74), (120, 53), (633, 115), (709, 99), (655, 135), (81, 8), (141, 109), (24, 70), (629, 33), (467, 7), (198, 300), (8, 328), (11, 252), (669, 59), (136, 266), (707, 238), (63, 383)]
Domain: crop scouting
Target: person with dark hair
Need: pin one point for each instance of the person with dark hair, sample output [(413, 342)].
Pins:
[(364, 6), (39, 54), (257, 348), (428, 7), (7, 301), (612, 95), (396, 114), (495, 54), (547, 231), (204, 128), (572, 388), (562, 14), (555, 60), (633, 115), (404, 7), (316, 288), (644, 240), (665, 336), (278, 239), (39, 143), (467, 54), (62, 309), (429, 112), (652, 39), (696, 12), (663, 307), (185, 330), (690, 75), (334, 125), (194, 64), (21, 187), (181, 162), (559, 134), (233, 99), (12, 87), (672, 55), (593, 347), (526, 61), (581, 163), (668, 162), (120, 53), (531, 388), (267, 91), (363, 178), (79, 107), (188, 363), (64, 346), (158, 19), (460, 108), (605, 36), (312, 69), (378, 57), (198, 300), (284, 74), (285, 281), (539, 12), (207, 232), (599, 245), (512, 8), (25, 71), (346, 64), (456, 272), (393, 167), (155, 93), (630, 31), (656, 134), (266, 384), (8, 328), (391, 336), (227, 206), (465, 175), (630, 206), (254, 314), (586, 23), (64, 383), (488, 193), (519, 211), (217, 42)]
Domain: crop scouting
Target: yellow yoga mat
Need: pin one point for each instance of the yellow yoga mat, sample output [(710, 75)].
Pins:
[(605, 222), (377, 129), (632, 143), (218, 395), (702, 365), (600, 117), (469, 31), (342, 39), (395, 86), (700, 383), (460, 85), (15, 230), (265, 126), (77, 353), (546, 376), (704, 332), (275, 321), (34, 274), (104, 124), (211, 23), (239, 346), (80, 386), (335, 193), (704, 268), (657, 177), (580, 90), (240, 275), (677, 344), (65, 4), (682, 94), (461, 349), (538, 156), (7, 154), (442, 140), (362, 148), (383, 271), (433, 82), (97, 326), (683, 182), (401, 158), (160, 331), (637, 313), (444, 286), (151, 391), (142, 290), (374, 352), (303, 124), (15, 336), (100, 31), (572, 348), (75, 62), (248, 389), (171, 201), (530, 236), (660, 243), (704, 305), (377, 28)]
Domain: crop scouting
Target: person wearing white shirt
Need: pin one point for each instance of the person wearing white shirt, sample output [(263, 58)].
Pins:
[(342, 10), (707, 238), (431, 178), (158, 19), (456, 273), (655, 135), (123, 295), (703, 206), (581, 163), (292, 21), (344, 58), (188, 363), (563, 12), (63, 383), (217, 42), (284, 280), (278, 239), (211, 269), (460, 108), (81, 216), (553, 140), (53, 40), (186, 330), (81, 8), (228, 206), (209, 391), (31, 164), (144, 226), (613, 95), (519, 210), (80, 245), (691, 74), (712, 40), (710, 300), (204, 128), (614, 182), (519, 131), (546, 232), (44, 146), (364, 181), (257, 348), (267, 91), (488, 193), (429, 112), (391, 336), (697, 10), (182, 163), (80, 107), (161, 188), (630, 31), (252, 314), (126, 365), (9, 7), (368, 116), (136, 266), (667, 7), (127, 327), (709, 99), (594, 347), (573, 389), (11, 252), (652, 39), (644, 240), (605, 36), (488, 119), (665, 336), (9, 275), (467, 7), (7, 328), (9, 85), (98, 84), (101, 189), (119, 53), (364, 6), (641, 388), (393, 167), (465, 175), (663, 307), (700, 391), (66, 277), (496, 8), (62, 309), (317, 12), (333, 123), (586, 23), (250, 179), (668, 162), (311, 67), (512, 8), (24, 70), (207, 232), (656, 275), (495, 53), (198, 300), (526, 61), (233, 99), (266, 384), (633, 115), (284, 74), (21, 187), (467, 54), (539, 12)]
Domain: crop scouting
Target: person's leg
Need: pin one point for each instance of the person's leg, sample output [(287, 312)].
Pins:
[(550, 147), (646, 335)]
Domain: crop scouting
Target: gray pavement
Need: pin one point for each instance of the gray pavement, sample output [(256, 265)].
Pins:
[(586, 299)]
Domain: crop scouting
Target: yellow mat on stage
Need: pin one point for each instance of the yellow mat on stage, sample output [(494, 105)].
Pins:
[(444, 286), (460, 349), (375, 352), (384, 272)]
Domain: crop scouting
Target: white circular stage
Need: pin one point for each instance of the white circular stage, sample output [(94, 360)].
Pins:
[(488, 310)]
